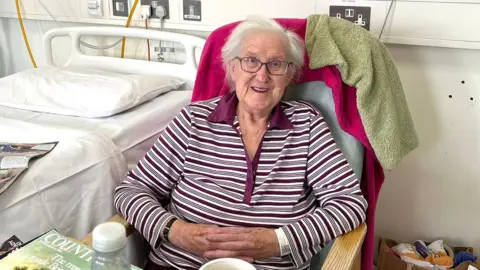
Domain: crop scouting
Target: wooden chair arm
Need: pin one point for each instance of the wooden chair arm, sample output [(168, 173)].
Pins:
[(87, 240), (346, 250)]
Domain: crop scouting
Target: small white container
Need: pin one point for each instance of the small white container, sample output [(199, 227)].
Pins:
[(109, 241)]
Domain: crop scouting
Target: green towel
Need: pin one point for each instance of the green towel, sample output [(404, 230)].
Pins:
[(365, 63)]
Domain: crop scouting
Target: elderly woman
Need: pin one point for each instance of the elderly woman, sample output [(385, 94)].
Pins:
[(244, 175)]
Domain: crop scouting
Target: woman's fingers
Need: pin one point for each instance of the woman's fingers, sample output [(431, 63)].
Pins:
[(227, 237), (233, 230), (231, 245)]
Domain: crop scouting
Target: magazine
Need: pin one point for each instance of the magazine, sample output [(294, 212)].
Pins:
[(14, 158), (51, 251)]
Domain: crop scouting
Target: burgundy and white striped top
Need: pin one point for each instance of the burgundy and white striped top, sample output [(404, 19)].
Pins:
[(298, 181)]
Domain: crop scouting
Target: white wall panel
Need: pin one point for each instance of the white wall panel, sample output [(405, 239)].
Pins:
[(67, 9), (434, 24), (217, 13)]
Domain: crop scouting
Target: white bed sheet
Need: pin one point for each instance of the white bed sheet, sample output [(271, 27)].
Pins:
[(71, 188)]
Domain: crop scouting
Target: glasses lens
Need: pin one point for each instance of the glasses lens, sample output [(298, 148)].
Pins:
[(250, 64), (277, 67)]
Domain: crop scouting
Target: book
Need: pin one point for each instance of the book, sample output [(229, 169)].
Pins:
[(14, 159), (51, 251)]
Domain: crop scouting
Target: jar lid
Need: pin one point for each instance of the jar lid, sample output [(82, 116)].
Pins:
[(109, 237)]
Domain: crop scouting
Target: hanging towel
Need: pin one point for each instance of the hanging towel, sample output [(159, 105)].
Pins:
[(365, 63)]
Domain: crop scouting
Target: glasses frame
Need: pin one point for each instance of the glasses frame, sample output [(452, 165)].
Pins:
[(261, 65)]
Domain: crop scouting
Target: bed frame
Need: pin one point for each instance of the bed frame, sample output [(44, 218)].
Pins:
[(345, 252), (186, 71)]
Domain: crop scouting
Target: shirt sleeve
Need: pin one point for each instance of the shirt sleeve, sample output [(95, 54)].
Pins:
[(341, 206), (139, 196)]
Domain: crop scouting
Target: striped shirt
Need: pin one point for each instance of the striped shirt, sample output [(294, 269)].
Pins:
[(199, 171)]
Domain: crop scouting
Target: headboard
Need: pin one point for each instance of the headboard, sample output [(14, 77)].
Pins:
[(186, 71)]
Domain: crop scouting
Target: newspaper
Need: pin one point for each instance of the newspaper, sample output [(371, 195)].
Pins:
[(14, 158)]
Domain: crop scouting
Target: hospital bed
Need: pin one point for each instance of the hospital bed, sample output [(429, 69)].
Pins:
[(71, 189)]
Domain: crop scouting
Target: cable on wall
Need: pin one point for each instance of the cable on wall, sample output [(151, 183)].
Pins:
[(386, 19), (127, 25), (25, 38)]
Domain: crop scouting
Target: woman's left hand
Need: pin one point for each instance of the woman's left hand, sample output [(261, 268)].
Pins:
[(256, 243)]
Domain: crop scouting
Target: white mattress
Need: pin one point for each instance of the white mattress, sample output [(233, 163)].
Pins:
[(71, 188)]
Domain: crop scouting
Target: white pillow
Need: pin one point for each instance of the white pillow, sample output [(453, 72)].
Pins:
[(81, 91)]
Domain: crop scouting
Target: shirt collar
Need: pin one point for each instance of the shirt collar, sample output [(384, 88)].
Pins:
[(225, 111)]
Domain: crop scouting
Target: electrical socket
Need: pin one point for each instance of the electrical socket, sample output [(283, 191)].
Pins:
[(154, 4), (120, 8), (356, 14)]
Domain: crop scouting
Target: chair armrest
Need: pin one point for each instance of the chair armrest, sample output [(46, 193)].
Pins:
[(346, 250), (87, 240)]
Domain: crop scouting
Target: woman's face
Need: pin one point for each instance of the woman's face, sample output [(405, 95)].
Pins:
[(260, 91)]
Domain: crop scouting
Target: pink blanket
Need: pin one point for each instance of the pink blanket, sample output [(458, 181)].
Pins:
[(210, 82)]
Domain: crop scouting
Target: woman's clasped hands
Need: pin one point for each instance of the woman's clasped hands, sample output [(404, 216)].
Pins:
[(212, 242)]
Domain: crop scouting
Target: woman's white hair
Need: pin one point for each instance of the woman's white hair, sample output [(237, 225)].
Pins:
[(233, 46)]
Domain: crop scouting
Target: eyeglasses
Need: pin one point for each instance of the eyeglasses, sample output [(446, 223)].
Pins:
[(275, 67)]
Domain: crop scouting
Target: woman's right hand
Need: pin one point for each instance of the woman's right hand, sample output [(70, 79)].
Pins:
[(190, 237), (193, 238)]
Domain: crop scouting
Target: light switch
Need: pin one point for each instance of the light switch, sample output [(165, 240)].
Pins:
[(349, 12), (95, 8), (120, 6)]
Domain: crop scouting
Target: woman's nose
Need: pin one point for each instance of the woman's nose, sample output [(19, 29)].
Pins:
[(262, 74)]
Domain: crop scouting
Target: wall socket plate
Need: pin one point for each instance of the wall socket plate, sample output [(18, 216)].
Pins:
[(154, 4), (356, 14), (120, 8)]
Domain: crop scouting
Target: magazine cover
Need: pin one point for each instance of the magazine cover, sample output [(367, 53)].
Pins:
[(51, 251), (14, 158)]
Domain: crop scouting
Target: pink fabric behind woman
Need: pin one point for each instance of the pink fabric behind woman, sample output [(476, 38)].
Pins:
[(210, 82)]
